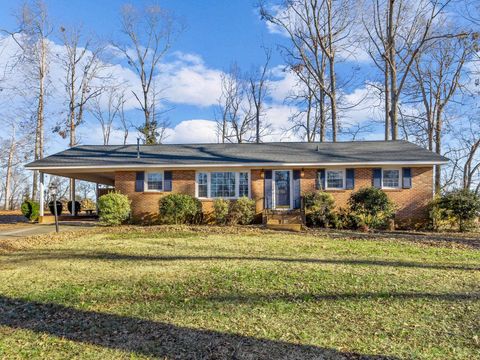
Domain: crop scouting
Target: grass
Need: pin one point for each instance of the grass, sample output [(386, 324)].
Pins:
[(206, 293)]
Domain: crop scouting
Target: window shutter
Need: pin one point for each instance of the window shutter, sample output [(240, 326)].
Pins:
[(377, 178), (296, 189), (406, 178), (268, 189), (321, 181), (167, 181), (139, 181), (350, 179)]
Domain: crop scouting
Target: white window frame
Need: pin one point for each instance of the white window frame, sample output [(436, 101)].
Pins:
[(237, 184), (145, 181), (344, 173), (400, 179)]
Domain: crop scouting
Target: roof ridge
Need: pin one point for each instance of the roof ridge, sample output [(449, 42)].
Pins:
[(251, 143)]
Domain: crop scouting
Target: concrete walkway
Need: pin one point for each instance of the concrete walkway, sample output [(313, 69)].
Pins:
[(40, 229)]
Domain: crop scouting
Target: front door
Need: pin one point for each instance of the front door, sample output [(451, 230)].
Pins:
[(282, 188)]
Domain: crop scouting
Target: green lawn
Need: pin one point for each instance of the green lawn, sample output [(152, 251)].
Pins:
[(160, 293)]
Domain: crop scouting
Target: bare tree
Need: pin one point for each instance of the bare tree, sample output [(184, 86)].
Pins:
[(82, 67), (125, 124), (106, 108), (398, 32), (235, 105), (149, 32), (9, 165), (32, 38), (317, 30), (436, 79), (310, 120), (259, 88)]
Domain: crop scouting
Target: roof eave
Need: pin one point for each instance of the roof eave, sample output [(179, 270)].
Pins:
[(31, 166)]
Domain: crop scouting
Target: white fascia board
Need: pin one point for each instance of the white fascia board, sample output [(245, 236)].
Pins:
[(237, 165)]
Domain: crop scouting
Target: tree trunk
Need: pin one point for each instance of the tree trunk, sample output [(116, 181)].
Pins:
[(393, 72), (39, 133), (8, 177), (438, 147), (333, 78), (387, 101)]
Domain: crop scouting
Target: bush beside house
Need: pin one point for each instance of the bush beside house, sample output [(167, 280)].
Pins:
[(234, 212), (113, 208), (220, 211), (319, 209), (241, 211), (372, 207), (368, 208), (31, 210), (180, 209), (458, 208)]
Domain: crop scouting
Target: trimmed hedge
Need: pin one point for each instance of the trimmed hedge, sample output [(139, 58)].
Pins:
[(462, 206), (372, 207), (180, 209), (241, 211), (220, 211), (31, 210), (319, 209), (113, 208)]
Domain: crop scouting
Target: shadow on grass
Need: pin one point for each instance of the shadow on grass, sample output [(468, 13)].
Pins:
[(106, 256), (153, 338), (302, 297)]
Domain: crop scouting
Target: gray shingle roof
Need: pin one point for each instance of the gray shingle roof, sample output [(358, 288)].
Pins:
[(355, 152)]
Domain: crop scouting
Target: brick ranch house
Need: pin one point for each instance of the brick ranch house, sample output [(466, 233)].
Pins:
[(275, 175)]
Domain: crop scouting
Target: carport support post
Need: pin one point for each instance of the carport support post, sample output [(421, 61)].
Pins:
[(72, 196), (42, 194), (96, 198)]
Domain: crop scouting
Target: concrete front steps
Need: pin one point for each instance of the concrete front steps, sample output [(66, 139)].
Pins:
[(290, 220)]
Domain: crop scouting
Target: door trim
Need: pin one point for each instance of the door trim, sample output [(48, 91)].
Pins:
[(274, 200)]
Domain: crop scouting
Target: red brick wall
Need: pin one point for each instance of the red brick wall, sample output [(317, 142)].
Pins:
[(411, 203), (145, 204)]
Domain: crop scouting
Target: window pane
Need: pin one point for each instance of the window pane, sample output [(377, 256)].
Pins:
[(391, 178), (335, 179), (202, 185), (243, 185), (222, 184), (154, 181)]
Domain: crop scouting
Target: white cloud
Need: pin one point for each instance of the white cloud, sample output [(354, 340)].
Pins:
[(193, 131)]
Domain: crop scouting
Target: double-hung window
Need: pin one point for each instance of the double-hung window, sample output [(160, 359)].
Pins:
[(202, 183), (335, 179), (391, 178), (223, 184), (154, 181)]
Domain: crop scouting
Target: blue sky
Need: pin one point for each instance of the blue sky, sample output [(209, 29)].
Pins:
[(216, 34)]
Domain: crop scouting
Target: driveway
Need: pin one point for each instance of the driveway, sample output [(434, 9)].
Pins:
[(39, 229)]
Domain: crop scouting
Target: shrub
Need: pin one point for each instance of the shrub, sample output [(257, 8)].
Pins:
[(113, 208), (242, 211), (77, 207), (31, 210), (371, 206), (461, 205), (179, 209), (220, 211), (346, 219), (59, 207), (319, 209)]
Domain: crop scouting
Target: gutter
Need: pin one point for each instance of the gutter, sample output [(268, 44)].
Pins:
[(237, 165)]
